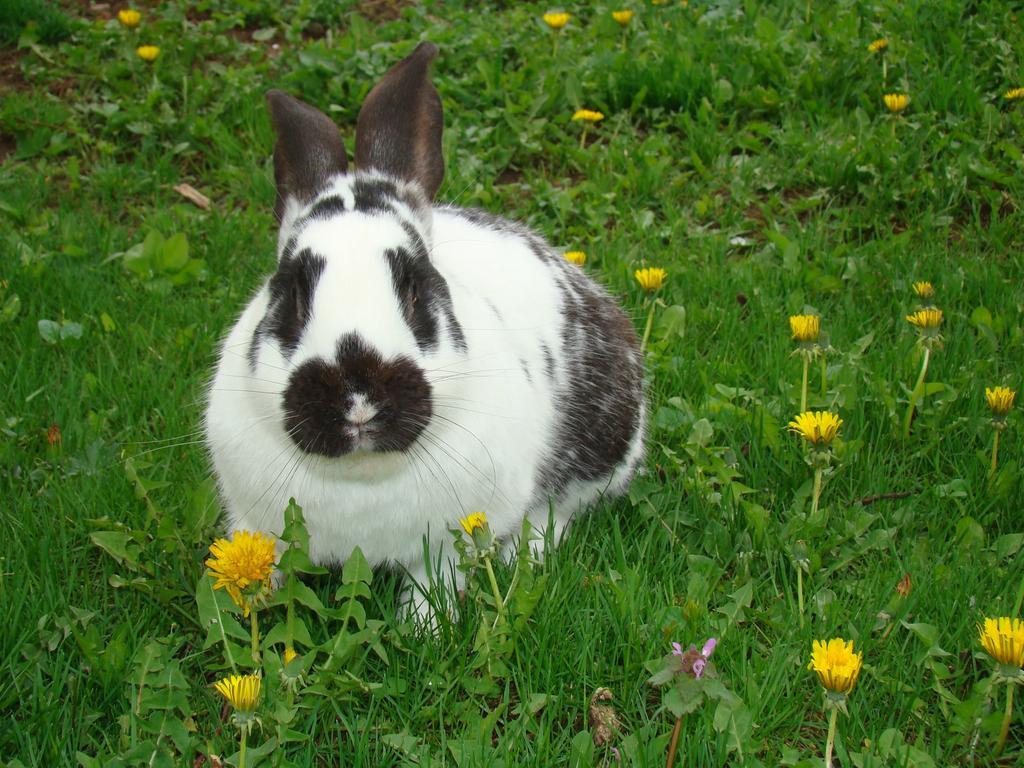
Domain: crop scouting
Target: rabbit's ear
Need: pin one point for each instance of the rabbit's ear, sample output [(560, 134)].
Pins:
[(399, 127), (309, 149)]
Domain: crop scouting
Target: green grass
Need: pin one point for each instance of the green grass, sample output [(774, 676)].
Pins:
[(745, 149), (36, 17)]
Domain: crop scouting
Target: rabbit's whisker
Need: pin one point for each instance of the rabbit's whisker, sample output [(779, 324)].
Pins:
[(463, 463), (179, 442), (293, 447), (286, 483), (193, 433), (446, 479), (248, 377), (247, 391), (471, 410), (231, 351)]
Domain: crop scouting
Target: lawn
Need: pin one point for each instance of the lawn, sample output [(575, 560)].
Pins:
[(746, 149)]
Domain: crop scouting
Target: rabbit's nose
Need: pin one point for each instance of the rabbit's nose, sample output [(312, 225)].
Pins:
[(361, 411)]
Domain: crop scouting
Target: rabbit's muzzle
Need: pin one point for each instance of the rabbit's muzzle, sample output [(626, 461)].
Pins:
[(358, 401)]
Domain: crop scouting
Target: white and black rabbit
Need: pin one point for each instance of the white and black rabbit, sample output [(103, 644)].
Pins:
[(409, 363)]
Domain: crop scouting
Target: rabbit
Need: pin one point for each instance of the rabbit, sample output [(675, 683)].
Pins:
[(410, 363)]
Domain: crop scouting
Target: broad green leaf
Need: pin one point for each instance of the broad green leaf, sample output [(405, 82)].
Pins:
[(70, 331), (356, 568), (701, 433), (928, 633), (120, 545), (279, 633), (1008, 545), (734, 720), (151, 657), (684, 697), (49, 330), (672, 322), (581, 750), (295, 591), (969, 533), (214, 608), (11, 308)]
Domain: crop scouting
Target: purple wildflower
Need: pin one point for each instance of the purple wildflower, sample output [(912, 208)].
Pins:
[(709, 648), (692, 661), (698, 668)]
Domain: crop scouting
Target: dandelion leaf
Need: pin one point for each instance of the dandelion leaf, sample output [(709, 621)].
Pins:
[(215, 617), (279, 633)]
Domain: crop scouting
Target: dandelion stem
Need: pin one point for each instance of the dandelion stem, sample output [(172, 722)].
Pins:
[(255, 637), (995, 456), (241, 748), (647, 328), (803, 385), (674, 742), (831, 738), (1004, 729), (800, 593), (583, 137), (824, 380), (498, 602), (885, 71), (290, 641), (817, 492), (915, 394)]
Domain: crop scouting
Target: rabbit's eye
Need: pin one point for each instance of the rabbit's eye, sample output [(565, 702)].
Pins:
[(411, 297), (291, 293), (299, 299)]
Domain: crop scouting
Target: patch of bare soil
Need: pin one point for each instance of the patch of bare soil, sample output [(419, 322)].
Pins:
[(509, 176), (7, 147), (10, 70), (382, 10)]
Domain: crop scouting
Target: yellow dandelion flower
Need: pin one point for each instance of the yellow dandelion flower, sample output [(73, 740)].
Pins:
[(556, 20), (896, 102), (879, 45), (242, 564), (579, 258), (1014, 94), (241, 691), (623, 17), (473, 522), (805, 328), (926, 319), (836, 664), (289, 655), (651, 278), (147, 52), (816, 427), (129, 17), (1003, 639), (587, 115), (924, 289), (1000, 400)]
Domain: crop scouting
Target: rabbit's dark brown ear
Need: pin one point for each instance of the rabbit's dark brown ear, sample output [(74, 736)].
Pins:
[(309, 149), (399, 127)]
